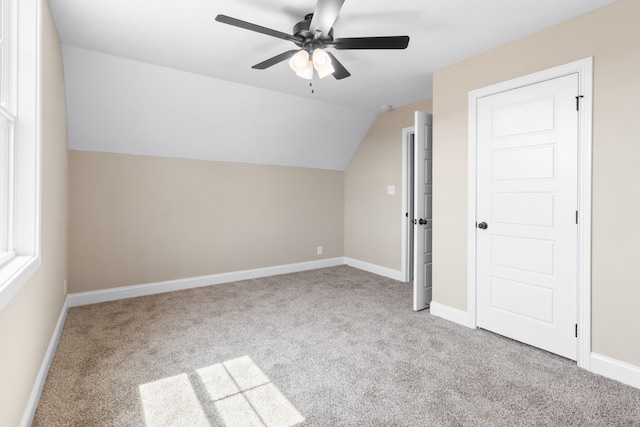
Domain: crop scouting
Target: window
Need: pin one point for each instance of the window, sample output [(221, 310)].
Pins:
[(20, 134)]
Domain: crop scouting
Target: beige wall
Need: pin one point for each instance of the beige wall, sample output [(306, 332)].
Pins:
[(28, 321), (373, 219), (138, 219), (612, 36)]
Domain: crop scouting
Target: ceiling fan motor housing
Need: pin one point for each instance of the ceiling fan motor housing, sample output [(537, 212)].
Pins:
[(301, 30)]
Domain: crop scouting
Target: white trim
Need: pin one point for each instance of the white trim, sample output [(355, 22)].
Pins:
[(375, 269), (93, 297), (36, 391), (584, 69), (451, 314), (471, 211), (615, 369), (585, 117), (14, 275), (404, 261), (601, 365)]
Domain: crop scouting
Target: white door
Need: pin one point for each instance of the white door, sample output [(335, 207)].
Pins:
[(527, 142), (422, 223)]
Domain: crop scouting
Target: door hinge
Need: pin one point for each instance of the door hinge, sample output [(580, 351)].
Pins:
[(576, 217), (578, 102), (576, 330)]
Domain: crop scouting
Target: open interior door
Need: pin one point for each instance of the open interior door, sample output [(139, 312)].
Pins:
[(422, 222)]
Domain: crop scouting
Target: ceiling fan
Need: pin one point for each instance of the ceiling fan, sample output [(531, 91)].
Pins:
[(314, 34)]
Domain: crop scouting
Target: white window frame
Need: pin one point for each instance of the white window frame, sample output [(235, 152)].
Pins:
[(21, 103)]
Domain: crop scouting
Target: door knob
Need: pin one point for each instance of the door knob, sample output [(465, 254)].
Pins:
[(483, 225), (422, 221)]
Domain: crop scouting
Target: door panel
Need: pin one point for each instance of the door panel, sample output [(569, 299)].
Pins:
[(523, 163), (527, 194), (512, 120), (522, 299), (535, 209), (520, 253)]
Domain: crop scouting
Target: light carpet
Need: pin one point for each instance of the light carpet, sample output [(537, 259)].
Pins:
[(328, 347)]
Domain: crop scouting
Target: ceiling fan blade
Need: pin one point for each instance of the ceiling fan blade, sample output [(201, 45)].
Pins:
[(392, 42), (257, 28), (325, 15), (275, 60), (340, 72)]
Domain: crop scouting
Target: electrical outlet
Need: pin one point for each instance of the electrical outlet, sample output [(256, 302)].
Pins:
[(319, 250)]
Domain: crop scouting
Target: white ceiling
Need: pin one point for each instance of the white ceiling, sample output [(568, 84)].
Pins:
[(183, 36)]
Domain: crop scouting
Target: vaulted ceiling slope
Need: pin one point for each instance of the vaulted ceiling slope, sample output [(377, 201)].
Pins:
[(159, 77), (122, 106)]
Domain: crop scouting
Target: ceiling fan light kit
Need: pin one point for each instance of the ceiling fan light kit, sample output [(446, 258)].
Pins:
[(304, 66), (307, 71), (313, 35), (299, 61)]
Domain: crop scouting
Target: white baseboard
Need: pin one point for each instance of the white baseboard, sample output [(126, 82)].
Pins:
[(599, 364), (375, 269), (615, 369), (36, 391), (93, 297), (452, 314)]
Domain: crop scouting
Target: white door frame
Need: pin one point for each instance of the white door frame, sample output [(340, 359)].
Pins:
[(404, 271), (584, 69)]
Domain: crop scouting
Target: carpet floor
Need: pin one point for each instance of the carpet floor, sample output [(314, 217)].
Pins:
[(329, 347)]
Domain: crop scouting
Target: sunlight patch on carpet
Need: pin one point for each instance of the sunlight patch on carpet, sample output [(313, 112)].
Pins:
[(172, 401), (244, 396), (239, 393)]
